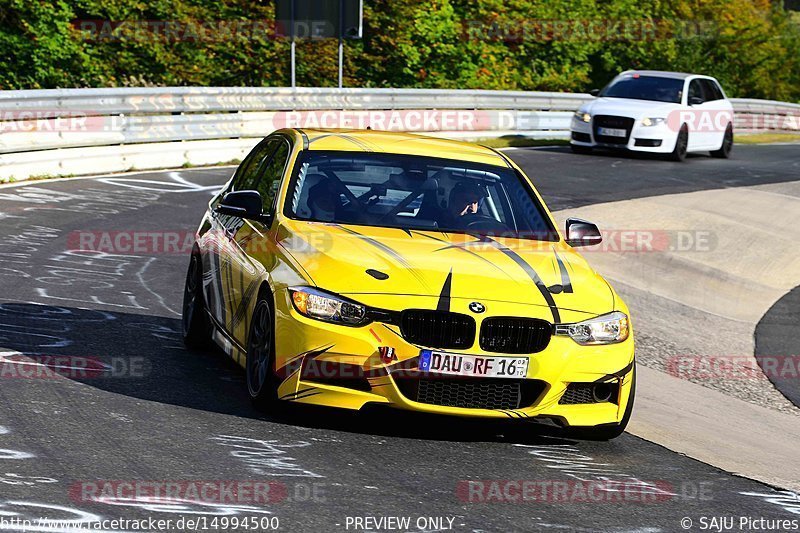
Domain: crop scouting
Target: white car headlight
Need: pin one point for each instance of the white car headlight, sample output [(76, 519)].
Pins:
[(653, 121), (583, 116), (326, 306), (603, 329)]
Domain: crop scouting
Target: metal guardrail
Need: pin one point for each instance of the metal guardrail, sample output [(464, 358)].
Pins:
[(226, 99), (43, 131)]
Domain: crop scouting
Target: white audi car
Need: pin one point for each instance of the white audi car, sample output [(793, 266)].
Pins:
[(661, 112)]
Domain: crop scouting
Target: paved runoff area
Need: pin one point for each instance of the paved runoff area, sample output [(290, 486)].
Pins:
[(704, 252)]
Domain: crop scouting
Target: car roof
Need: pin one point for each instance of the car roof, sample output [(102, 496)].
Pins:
[(352, 140), (665, 74)]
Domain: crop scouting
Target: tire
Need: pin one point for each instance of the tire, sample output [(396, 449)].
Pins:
[(606, 431), (196, 327), (681, 145), (262, 383), (585, 150), (724, 151)]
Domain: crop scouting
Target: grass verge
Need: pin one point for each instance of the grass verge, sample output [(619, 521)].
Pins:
[(519, 140), (766, 138)]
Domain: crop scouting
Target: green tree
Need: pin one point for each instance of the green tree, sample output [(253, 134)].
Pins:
[(554, 45)]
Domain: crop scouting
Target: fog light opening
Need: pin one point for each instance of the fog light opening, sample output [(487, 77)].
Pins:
[(602, 392)]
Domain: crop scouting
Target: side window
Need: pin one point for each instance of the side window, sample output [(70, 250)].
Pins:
[(717, 90), (247, 174), (709, 91), (271, 172), (695, 90)]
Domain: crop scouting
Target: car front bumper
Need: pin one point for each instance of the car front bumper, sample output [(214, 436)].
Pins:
[(654, 139), (332, 365)]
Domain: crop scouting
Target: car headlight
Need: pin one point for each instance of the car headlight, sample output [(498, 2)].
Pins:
[(653, 121), (321, 305), (604, 329), (583, 116)]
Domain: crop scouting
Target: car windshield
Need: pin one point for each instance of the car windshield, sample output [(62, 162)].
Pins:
[(415, 193), (638, 87)]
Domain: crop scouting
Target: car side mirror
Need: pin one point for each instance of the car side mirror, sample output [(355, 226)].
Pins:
[(582, 233), (695, 100), (242, 204), (594, 92)]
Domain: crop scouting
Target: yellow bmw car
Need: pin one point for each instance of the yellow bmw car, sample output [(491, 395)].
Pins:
[(346, 268)]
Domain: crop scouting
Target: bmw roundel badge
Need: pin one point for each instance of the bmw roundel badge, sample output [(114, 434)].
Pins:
[(477, 307)]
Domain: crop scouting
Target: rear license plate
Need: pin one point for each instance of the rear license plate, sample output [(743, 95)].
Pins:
[(612, 132), (472, 365)]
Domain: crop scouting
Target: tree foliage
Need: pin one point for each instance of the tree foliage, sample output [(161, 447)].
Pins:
[(554, 45)]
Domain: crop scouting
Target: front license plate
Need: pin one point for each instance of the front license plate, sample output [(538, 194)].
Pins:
[(611, 132), (472, 365)]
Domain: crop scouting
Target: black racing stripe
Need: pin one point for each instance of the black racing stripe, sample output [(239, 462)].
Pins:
[(463, 248), (309, 395), (312, 353), (444, 296), (368, 146), (358, 142), (463, 245), (389, 251), (428, 236), (393, 331), (316, 352), (531, 274), (566, 283), (617, 374), (320, 137), (297, 393), (241, 311), (508, 414)]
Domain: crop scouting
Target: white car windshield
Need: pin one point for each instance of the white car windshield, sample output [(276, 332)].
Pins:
[(637, 87)]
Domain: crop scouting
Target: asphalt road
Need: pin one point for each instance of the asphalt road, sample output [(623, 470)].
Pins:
[(159, 413), (567, 180), (778, 347)]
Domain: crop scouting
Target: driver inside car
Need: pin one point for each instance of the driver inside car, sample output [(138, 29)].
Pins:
[(323, 200), (464, 201)]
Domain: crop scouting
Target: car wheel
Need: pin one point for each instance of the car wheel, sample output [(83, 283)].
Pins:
[(724, 151), (262, 383), (606, 431), (681, 145), (196, 327), (581, 149)]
